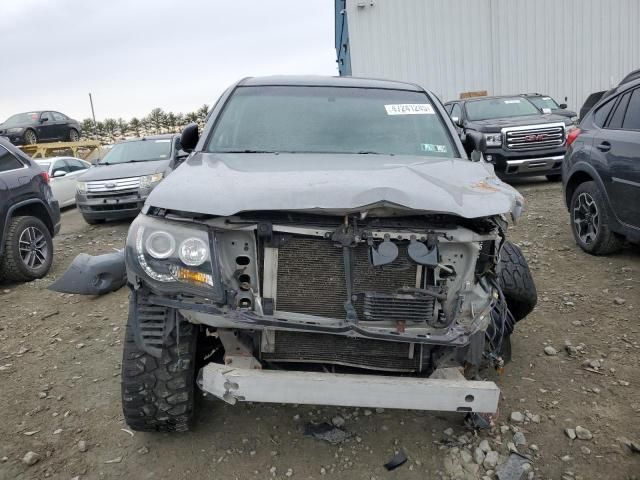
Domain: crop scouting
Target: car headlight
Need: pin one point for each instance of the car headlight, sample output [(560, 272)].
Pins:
[(14, 130), (493, 139), (147, 181), (574, 120), (172, 253), (81, 187)]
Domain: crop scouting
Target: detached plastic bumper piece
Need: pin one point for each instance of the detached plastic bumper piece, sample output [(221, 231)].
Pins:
[(93, 275)]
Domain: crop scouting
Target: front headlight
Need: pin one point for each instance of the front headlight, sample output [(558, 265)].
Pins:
[(574, 120), (14, 130), (81, 187), (493, 139), (150, 180), (171, 252)]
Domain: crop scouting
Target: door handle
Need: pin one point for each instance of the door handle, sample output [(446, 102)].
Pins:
[(604, 147)]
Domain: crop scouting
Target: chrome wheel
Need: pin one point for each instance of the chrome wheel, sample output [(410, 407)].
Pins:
[(586, 218), (30, 137), (33, 247)]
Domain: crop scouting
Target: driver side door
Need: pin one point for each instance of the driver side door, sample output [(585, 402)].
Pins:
[(46, 127)]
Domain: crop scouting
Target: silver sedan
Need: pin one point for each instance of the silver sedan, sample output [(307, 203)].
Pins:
[(63, 172)]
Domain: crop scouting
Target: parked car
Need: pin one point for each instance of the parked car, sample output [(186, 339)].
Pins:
[(41, 126), (63, 173), (121, 181), (29, 217), (521, 141), (597, 96), (601, 175), (546, 104), (321, 227)]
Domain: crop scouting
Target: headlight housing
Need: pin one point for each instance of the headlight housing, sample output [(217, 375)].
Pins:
[(574, 120), (148, 181), (173, 256), (493, 139), (81, 187)]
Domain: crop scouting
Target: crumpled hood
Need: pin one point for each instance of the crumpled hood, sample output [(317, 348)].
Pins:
[(226, 184), (124, 170)]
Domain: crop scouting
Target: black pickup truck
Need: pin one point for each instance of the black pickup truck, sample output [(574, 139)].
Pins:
[(521, 141)]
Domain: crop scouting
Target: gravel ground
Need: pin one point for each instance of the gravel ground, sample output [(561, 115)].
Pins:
[(575, 364)]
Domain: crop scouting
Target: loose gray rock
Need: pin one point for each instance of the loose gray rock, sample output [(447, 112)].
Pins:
[(519, 438), (484, 446), (585, 450), (448, 432), (571, 433), (30, 458), (549, 350), (466, 456), (517, 417), (583, 434), (338, 421), (82, 446), (619, 301), (491, 459), (478, 456)]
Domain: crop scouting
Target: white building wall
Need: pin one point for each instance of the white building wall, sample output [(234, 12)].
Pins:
[(564, 48)]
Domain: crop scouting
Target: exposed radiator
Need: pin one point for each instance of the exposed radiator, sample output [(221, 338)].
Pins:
[(338, 350), (311, 277)]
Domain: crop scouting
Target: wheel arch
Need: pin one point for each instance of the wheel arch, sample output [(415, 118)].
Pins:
[(31, 208), (581, 173)]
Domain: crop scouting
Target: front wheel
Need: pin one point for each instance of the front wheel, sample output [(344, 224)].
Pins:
[(516, 281), (28, 250), (74, 136), (158, 392), (590, 221)]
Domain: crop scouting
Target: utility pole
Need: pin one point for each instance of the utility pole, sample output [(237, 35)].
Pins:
[(93, 114)]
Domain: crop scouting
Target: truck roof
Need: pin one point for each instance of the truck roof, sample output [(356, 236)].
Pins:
[(327, 81)]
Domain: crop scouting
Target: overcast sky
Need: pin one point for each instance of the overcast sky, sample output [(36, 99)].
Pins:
[(135, 55)]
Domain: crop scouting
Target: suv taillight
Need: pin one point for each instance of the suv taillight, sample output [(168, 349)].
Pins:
[(45, 176), (573, 135)]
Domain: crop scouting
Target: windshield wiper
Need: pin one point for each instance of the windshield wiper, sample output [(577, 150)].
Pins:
[(368, 152), (246, 151)]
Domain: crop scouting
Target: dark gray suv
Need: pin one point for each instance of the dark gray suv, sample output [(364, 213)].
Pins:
[(601, 173)]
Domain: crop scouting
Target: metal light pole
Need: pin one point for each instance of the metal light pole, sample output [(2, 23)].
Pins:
[(93, 113)]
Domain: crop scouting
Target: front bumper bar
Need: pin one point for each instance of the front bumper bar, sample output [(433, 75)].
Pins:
[(233, 384), (532, 166)]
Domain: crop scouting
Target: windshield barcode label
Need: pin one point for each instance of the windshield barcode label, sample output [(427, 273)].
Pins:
[(409, 109)]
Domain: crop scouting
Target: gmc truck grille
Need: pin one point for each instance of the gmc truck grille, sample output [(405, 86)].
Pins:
[(529, 138), (311, 280), (131, 183), (338, 350)]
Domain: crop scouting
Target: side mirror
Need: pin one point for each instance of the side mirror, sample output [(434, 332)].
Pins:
[(563, 106), (475, 145), (59, 173), (457, 121), (189, 137), (44, 119)]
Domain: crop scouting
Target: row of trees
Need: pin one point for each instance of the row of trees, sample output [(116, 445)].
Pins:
[(158, 121)]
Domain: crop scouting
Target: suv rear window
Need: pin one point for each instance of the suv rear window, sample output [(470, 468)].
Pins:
[(302, 119), (8, 161)]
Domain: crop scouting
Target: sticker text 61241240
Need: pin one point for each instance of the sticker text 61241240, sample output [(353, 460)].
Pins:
[(409, 109)]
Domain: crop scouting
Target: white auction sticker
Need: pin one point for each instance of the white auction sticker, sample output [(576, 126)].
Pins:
[(409, 109), (512, 101)]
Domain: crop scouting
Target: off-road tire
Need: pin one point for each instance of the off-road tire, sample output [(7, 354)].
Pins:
[(30, 137), (554, 178), (12, 266), (158, 393), (93, 221), (605, 241), (516, 282)]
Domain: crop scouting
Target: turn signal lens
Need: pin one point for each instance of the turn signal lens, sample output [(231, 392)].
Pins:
[(186, 275), (573, 135)]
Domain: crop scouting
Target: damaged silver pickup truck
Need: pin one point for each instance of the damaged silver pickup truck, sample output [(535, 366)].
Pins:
[(328, 241)]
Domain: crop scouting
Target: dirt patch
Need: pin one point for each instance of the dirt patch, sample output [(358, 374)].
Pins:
[(60, 382)]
